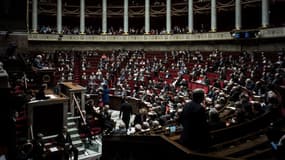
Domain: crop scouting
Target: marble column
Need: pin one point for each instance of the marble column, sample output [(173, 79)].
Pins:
[(59, 16), (238, 15), (147, 17), (126, 17), (190, 16), (104, 16), (265, 13), (168, 16), (213, 16), (35, 17), (82, 16)]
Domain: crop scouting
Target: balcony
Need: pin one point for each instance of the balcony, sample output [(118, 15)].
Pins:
[(217, 36)]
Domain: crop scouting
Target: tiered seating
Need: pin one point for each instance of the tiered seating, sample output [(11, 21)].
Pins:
[(212, 77), (77, 71), (251, 131)]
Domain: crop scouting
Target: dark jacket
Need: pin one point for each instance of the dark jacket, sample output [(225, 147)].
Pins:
[(195, 134), (126, 110), (105, 95)]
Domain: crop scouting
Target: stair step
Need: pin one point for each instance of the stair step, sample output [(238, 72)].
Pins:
[(81, 150), (75, 136), (72, 130), (77, 143), (71, 124), (70, 119), (89, 155)]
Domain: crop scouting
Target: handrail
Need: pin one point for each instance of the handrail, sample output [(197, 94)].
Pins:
[(32, 132), (78, 107), (133, 38)]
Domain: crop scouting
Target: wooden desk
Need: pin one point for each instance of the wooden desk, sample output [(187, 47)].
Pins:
[(70, 89), (73, 86), (47, 116)]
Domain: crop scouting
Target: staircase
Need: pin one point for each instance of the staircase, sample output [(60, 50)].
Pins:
[(85, 152)]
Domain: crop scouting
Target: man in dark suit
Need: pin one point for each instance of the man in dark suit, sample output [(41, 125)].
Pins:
[(195, 134), (126, 110), (64, 140)]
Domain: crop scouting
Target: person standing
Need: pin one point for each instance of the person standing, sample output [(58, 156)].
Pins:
[(126, 110), (195, 134), (105, 95)]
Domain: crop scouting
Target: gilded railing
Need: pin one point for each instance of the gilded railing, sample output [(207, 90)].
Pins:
[(262, 33)]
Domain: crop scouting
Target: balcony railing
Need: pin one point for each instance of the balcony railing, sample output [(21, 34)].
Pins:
[(262, 33)]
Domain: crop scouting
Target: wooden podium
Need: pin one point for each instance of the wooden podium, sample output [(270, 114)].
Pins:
[(47, 116), (70, 89), (46, 75)]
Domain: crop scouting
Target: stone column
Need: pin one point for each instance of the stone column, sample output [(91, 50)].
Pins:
[(265, 13), (59, 16), (126, 17), (238, 15), (104, 16), (147, 17), (213, 16), (190, 16), (35, 17), (168, 16), (82, 16)]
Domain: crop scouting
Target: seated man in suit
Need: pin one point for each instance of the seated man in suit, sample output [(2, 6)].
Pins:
[(37, 63), (64, 140), (141, 116)]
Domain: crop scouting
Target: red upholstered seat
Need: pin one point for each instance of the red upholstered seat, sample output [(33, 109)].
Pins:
[(96, 131), (194, 85)]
